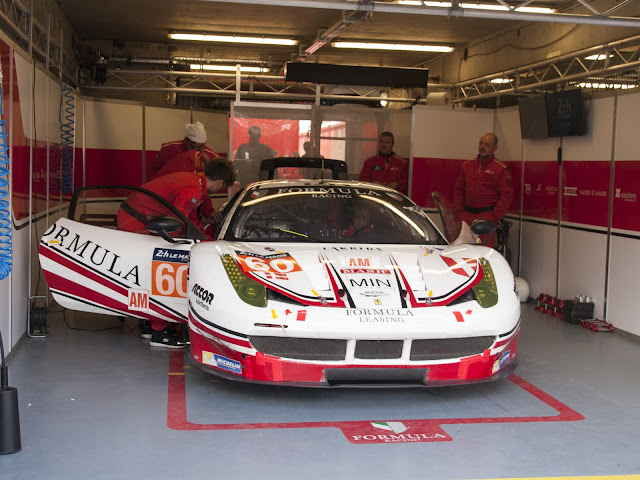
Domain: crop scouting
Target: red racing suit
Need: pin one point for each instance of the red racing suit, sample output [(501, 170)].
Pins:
[(170, 150), (384, 170), (185, 190), (483, 190), (189, 161)]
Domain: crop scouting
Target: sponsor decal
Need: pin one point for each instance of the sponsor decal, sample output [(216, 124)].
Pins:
[(395, 427), (381, 271), (203, 296), (169, 271), (301, 316), (394, 196), (352, 247), (358, 262), (379, 315), (527, 188), (276, 276), (91, 253), (551, 190), (465, 266), (377, 301), (330, 192), (219, 361), (501, 362), (570, 191), (370, 282), (277, 263), (138, 300), (398, 432), (626, 196), (593, 193), (258, 193), (373, 293)]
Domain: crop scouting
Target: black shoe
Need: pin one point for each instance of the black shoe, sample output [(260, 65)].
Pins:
[(145, 330), (165, 338), (183, 336)]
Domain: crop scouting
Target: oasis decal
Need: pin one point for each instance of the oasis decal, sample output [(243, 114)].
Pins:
[(396, 432), (169, 271), (91, 253), (276, 264)]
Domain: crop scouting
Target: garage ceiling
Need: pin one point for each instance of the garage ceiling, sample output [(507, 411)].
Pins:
[(139, 28), (128, 36)]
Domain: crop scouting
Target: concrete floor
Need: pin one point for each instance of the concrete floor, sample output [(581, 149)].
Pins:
[(96, 402)]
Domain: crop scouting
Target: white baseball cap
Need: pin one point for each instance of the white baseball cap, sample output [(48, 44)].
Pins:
[(196, 132)]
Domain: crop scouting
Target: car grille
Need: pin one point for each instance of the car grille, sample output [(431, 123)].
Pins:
[(327, 350), (443, 348), (301, 348), (383, 349)]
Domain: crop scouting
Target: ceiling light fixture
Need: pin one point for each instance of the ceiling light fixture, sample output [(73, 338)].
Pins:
[(600, 56), (480, 6), (393, 46), (500, 80), (227, 68), (233, 39), (615, 86)]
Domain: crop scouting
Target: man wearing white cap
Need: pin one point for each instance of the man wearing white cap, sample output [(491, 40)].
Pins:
[(195, 139)]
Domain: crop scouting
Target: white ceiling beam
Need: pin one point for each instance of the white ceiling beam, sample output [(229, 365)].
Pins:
[(446, 12)]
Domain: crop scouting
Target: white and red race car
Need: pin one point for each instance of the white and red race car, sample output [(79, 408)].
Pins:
[(310, 283)]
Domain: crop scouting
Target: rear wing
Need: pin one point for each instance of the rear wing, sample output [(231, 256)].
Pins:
[(303, 167)]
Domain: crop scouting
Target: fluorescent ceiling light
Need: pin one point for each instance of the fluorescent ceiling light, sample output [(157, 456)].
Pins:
[(601, 56), (227, 68), (480, 6), (233, 39), (393, 46), (500, 80), (615, 86)]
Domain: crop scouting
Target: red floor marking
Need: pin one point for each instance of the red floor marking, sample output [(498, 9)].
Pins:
[(359, 432)]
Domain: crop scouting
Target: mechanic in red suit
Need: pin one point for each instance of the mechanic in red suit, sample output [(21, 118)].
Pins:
[(193, 161), (484, 189), (194, 140), (386, 168), (186, 191)]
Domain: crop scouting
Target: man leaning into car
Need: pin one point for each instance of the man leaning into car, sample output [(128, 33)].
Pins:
[(186, 191)]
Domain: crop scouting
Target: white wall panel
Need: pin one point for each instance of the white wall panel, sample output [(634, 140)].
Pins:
[(622, 301), (443, 132), (539, 257), (113, 125), (507, 128), (628, 118), (596, 144), (165, 125), (216, 125), (540, 149), (583, 266)]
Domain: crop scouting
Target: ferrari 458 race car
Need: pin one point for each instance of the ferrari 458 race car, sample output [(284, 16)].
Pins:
[(310, 283)]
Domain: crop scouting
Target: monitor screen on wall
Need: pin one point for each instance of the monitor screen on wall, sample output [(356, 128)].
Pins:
[(565, 113), (533, 117)]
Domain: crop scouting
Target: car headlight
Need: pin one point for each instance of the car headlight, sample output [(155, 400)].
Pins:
[(248, 290), (486, 290)]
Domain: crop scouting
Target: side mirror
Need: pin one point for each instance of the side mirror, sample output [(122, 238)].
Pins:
[(482, 227), (163, 225)]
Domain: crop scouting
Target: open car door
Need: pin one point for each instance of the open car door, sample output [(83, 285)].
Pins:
[(91, 266)]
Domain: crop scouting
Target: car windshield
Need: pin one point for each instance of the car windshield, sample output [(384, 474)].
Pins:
[(334, 214)]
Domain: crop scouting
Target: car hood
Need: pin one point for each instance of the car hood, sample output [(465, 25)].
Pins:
[(361, 276)]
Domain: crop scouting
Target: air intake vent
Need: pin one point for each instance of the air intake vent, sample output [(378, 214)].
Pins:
[(320, 349), (444, 348), (378, 349)]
